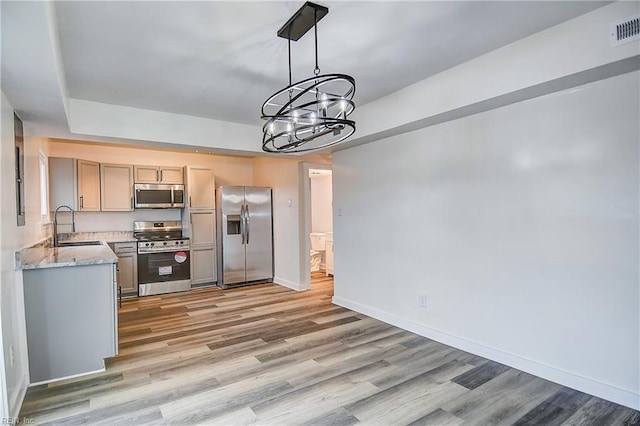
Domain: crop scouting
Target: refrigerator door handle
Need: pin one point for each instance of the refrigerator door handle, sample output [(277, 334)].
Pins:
[(242, 225), (246, 218)]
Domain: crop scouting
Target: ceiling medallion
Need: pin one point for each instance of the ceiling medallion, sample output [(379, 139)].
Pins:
[(310, 114)]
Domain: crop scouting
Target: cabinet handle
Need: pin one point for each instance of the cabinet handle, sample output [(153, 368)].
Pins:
[(81, 202), (160, 175), (132, 208), (189, 200)]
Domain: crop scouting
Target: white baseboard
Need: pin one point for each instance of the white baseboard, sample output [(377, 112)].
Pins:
[(15, 401), (562, 377), (73, 376), (289, 284)]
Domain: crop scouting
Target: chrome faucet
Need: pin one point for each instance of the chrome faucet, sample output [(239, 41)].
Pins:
[(55, 223)]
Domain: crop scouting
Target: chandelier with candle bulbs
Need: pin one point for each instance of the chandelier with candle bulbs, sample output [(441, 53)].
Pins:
[(310, 114)]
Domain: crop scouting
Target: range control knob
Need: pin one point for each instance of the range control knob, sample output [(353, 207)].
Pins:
[(177, 242), (164, 244), (181, 242), (152, 244), (146, 244)]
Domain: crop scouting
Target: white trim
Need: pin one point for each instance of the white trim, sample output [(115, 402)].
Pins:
[(43, 180), (18, 397), (305, 219), (4, 397), (44, 382), (548, 372), (289, 284)]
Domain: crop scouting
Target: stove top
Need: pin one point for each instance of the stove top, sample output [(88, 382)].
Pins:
[(158, 237), (151, 237)]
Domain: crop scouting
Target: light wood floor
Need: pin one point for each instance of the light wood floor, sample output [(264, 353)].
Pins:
[(268, 355)]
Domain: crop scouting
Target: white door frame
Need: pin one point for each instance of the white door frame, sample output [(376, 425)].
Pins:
[(305, 220)]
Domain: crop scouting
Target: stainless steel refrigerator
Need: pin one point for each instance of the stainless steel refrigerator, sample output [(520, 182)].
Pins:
[(245, 235)]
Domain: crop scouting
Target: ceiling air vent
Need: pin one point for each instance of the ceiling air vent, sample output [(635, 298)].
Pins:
[(625, 31)]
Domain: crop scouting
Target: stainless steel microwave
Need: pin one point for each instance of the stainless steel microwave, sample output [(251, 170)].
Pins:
[(158, 196)]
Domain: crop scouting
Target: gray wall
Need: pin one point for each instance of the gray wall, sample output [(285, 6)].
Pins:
[(519, 224)]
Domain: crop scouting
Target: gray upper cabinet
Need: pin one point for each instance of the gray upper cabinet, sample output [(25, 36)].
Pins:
[(74, 183), (201, 188), (88, 186), (158, 174), (63, 183), (116, 183)]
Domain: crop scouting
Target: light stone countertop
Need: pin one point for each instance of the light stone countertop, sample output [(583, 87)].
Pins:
[(42, 255)]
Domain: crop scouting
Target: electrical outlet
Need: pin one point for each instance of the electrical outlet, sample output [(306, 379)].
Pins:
[(423, 300)]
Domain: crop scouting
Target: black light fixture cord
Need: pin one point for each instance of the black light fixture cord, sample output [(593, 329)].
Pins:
[(289, 44), (316, 71)]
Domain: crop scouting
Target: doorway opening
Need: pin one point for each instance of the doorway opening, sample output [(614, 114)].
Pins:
[(316, 220), (321, 235)]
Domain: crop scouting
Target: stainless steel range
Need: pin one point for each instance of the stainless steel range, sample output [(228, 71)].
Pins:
[(164, 261)]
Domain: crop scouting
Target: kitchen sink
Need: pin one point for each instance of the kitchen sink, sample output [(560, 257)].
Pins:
[(78, 243)]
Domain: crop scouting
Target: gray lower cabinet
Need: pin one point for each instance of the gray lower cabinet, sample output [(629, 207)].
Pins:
[(127, 269), (203, 246), (71, 319), (203, 265)]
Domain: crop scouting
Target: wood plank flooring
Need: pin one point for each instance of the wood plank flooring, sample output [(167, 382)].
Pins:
[(268, 355)]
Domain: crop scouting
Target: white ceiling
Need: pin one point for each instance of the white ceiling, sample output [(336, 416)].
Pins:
[(221, 60)]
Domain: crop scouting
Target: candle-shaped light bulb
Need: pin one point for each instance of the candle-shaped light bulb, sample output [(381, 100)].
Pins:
[(290, 132), (312, 117), (295, 115), (324, 103), (272, 128)]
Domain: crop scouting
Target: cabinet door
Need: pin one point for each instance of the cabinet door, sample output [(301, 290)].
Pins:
[(203, 266), (203, 229), (127, 273), (146, 174), (329, 257), (201, 188), (171, 175), (88, 186), (63, 183), (116, 187)]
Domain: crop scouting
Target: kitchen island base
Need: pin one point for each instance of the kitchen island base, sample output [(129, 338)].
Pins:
[(71, 320)]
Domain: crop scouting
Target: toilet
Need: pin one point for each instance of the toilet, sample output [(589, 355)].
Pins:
[(317, 250)]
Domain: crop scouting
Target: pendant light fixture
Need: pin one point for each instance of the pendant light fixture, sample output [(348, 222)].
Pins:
[(310, 114)]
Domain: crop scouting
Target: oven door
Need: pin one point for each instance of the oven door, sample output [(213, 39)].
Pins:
[(164, 272)]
